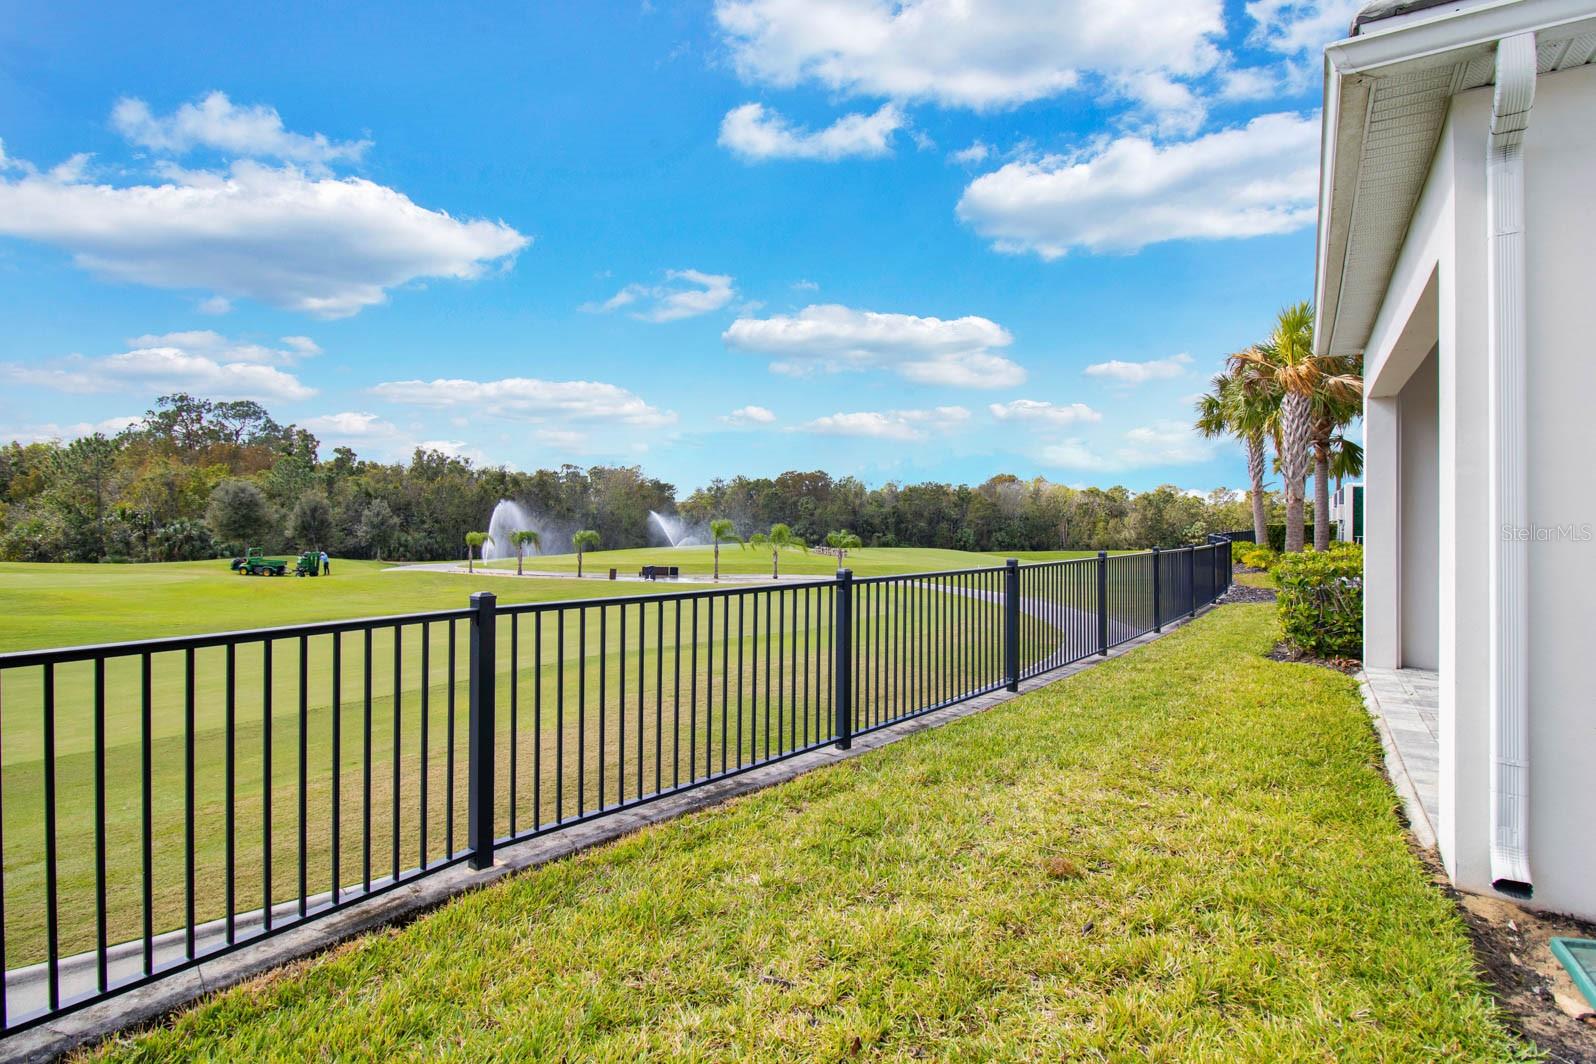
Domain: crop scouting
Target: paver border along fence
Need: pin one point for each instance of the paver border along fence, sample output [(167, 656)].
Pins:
[(149, 822)]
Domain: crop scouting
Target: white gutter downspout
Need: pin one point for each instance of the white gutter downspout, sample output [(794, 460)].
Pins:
[(1508, 338)]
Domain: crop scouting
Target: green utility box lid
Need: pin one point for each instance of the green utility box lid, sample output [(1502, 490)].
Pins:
[(1578, 955)]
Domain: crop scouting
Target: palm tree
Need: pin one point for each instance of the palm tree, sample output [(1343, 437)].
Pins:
[(1336, 403), (522, 539), (474, 541), (722, 531), (843, 542), (583, 541), (1238, 408), (1346, 459), (1306, 383), (779, 538)]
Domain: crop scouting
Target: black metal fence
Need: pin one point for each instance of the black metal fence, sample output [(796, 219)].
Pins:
[(165, 801)]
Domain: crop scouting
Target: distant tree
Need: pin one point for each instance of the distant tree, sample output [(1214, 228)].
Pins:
[(474, 541), (722, 531), (779, 538), (522, 539), (184, 541), (378, 527), (842, 542), (82, 488), (583, 541), (238, 513), (310, 526)]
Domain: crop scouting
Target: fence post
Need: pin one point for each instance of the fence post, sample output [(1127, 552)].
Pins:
[(1102, 602), (1011, 622), (1191, 579), (1158, 613), (479, 764), (842, 665), (1230, 564)]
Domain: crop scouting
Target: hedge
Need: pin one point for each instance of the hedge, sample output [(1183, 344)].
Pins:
[(1320, 600), (1277, 535)]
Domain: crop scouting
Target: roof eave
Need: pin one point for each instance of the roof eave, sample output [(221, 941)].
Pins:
[(1351, 66)]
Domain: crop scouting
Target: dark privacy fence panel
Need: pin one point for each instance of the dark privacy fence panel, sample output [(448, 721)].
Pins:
[(165, 801)]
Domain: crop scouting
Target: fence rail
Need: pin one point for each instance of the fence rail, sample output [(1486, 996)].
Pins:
[(166, 801)]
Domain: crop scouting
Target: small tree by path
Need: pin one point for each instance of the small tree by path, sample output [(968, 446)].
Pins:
[(474, 541), (779, 538), (378, 527), (522, 539), (722, 531), (583, 541), (842, 542)]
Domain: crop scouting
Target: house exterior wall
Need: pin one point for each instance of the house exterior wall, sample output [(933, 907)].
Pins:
[(1560, 233), (1420, 473), (1437, 297)]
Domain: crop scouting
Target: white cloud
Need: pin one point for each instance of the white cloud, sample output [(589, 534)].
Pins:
[(957, 352), (1133, 373), (1047, 413), (977, 152), (216, 122), (997, 54), (1176, 110), (749, 415), (565, 439), (1164, 443), (1293, 27), (904, 425), (46, 433), (684, 294), (529, 399), (752, 132), (326, 246), (1121, 195), (351, 425), (219, 348), (1249, 83), (215, 305), (454, 449), (805, 286), (201, 362)]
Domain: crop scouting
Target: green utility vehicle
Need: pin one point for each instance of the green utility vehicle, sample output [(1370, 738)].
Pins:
[(255, 563)]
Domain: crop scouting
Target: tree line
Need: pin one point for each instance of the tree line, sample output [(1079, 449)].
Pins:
[(199, 479)]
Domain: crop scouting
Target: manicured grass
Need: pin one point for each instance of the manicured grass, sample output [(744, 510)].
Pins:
[(67, 605), (700, 561), (700, 691), (1187, 853)]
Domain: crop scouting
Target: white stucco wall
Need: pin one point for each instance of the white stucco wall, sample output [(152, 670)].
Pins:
[(1560, 233), (1419, 429), (1438, 290)]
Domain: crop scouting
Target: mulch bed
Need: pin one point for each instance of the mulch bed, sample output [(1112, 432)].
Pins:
[(1247, 593), (1510, 946), (1283, 652)]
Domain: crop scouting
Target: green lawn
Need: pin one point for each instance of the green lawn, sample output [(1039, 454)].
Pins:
[(700, 561), (1186, 853), (64, 605), (763, 704)]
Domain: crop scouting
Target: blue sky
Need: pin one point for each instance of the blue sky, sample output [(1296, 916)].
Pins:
[(933, 240)]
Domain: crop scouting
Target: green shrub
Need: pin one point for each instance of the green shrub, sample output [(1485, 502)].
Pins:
[(1321, 600), (1258, 557), (1277, 535)]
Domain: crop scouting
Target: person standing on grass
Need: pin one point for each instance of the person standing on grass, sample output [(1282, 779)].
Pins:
[(326, 564)]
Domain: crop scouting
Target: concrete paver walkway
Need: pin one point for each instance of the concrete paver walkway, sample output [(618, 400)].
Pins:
[(1405, 706)]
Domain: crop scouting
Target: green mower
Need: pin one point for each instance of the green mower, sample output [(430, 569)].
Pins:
[(255, 563), (309, 564)]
